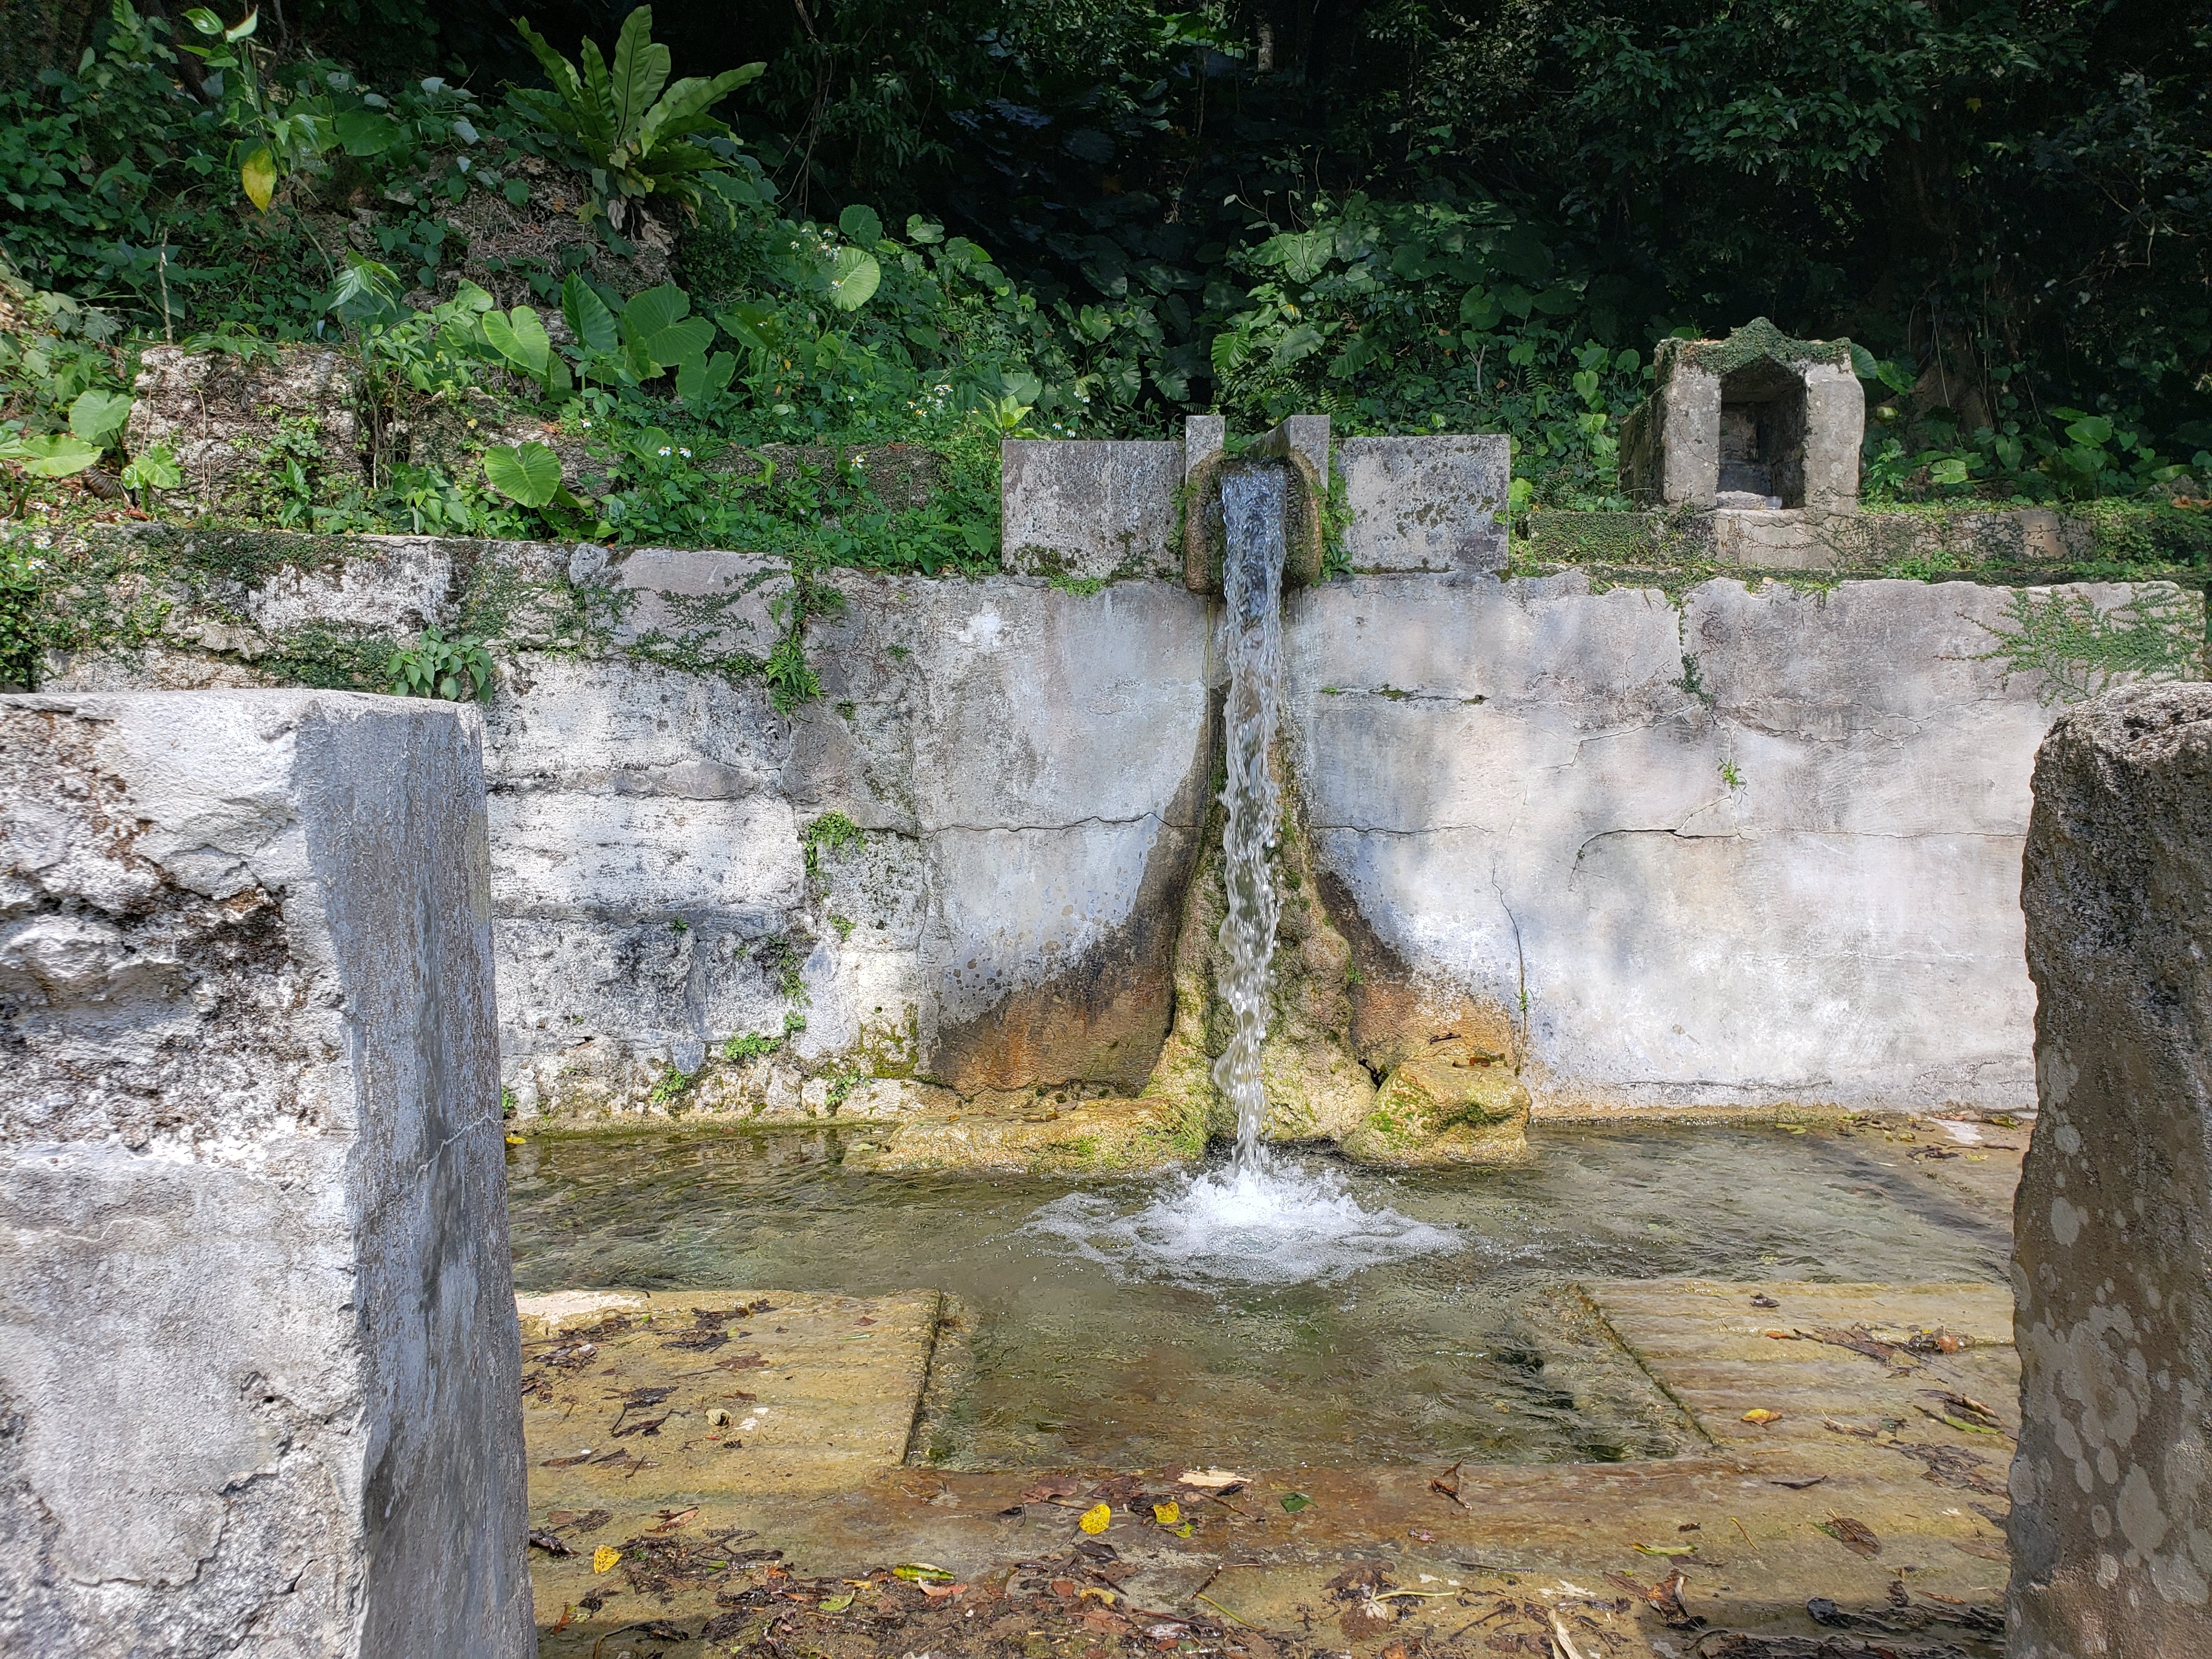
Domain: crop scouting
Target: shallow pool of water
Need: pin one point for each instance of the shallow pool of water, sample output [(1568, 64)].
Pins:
[(1077, 1349)]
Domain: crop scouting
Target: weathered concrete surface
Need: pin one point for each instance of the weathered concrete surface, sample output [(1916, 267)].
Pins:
[(2112, 1518), (1025, 768), (1750, 1515), (258, 1357), (1424, 503), (1090, 507), (1759, 850)]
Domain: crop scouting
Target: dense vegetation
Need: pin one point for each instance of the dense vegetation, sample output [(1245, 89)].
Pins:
[(863, 221)]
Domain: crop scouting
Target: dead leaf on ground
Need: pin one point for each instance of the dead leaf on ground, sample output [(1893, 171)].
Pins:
[(1761, 1416), (1364, 1619), (550, 1543), (1854, 1535), (1448, 1483)]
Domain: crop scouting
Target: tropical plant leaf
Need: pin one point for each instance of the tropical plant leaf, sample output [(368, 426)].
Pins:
[(596, 110), (518, 338), (97, 417), (526, 473), (365, 131), (861, 223), (700, 378), (586, 314), (654, 309), (56, 455), (638, 73), (854, 277), (258, 174)]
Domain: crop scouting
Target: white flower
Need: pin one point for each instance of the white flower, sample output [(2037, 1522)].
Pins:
[(664, 449), (685, 453)]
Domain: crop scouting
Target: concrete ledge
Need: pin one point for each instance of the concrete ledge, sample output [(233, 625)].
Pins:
[(257, 1349)]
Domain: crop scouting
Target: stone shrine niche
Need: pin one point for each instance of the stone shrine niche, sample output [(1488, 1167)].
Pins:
[(1756, 422)]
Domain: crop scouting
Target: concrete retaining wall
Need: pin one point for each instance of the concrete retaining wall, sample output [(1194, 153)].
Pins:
[(1749, 847), (258, 1360), (2112, 1518)]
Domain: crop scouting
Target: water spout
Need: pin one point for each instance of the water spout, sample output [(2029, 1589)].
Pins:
[(1253, 498)]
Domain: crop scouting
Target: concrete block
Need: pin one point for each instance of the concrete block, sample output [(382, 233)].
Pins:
[(258, 1360), (1090, 507), (1434, 503), (2112, 1517)]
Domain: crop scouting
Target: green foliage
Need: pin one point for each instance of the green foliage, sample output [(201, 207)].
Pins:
[(21, 606), (634, 134), (2077, 651), (528, 473), (786, 964), (833, 830), (749, 1045), (459, 670), (672, 1086)]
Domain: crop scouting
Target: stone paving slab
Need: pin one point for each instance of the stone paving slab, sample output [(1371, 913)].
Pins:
[(1753, 1519)]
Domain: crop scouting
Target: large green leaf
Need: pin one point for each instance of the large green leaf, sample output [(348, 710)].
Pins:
[(367, 131), (58, 455), (527, 473), (854, 277), (654, 309), (861, 223), (602, 137), (520, 339), (586, 314), (700, 378), (639, 72), (97, 417)]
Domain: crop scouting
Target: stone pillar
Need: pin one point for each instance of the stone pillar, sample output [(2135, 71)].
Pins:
[(1835, 428), (2111, 1489), (258, 1360)]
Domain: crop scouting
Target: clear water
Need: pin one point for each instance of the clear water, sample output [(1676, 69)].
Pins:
[(1253, 498), (1084, 1348)]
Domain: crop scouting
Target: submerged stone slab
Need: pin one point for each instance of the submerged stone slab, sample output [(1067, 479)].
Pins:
[(2112, 1506), (1090, 507), (257, 1346), (1435, 503)]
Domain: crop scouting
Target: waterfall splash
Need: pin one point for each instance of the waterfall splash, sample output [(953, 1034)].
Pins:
[(1262, 1220)]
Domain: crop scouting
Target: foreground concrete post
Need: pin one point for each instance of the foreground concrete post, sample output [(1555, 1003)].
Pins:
[(2111, 1520), (258, 1360)]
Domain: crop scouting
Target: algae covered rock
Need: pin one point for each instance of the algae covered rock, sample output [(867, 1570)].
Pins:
[(1458, 1104)]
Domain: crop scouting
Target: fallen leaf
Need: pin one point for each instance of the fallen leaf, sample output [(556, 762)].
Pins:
[(1854, 1535), (943, 1592), (1764, 1301), (1761, 1416), (1448, 1483), (550, 1544), (922, 1572), (1295, 1501), (1211, 1479), (1096, 1519), (1799, 1482), (1665, 1549), (1055, 1486), (517, 1141), (1420, 1535), (836, 1604), (1103, 1595), (604, 1557), (1167, 1514)]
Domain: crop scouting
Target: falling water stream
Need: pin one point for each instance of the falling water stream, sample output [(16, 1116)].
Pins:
[(1263, 1219)]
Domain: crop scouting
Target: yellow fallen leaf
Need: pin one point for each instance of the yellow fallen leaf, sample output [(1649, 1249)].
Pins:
[(1104, 1596), (1761, 1415), (1096, 1519), (1167, 1514), (604, 1557), (516, 1141)]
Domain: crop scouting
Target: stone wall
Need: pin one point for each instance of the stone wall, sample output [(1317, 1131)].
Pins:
[(1749, 846), (1760, 847), (258, 1361), (2112, 1518)]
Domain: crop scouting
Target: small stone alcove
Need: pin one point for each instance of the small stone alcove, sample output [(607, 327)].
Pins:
[(1758, 419), (1762, 437)]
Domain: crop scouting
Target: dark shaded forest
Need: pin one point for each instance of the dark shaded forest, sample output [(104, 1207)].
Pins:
[(1408, 214)]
